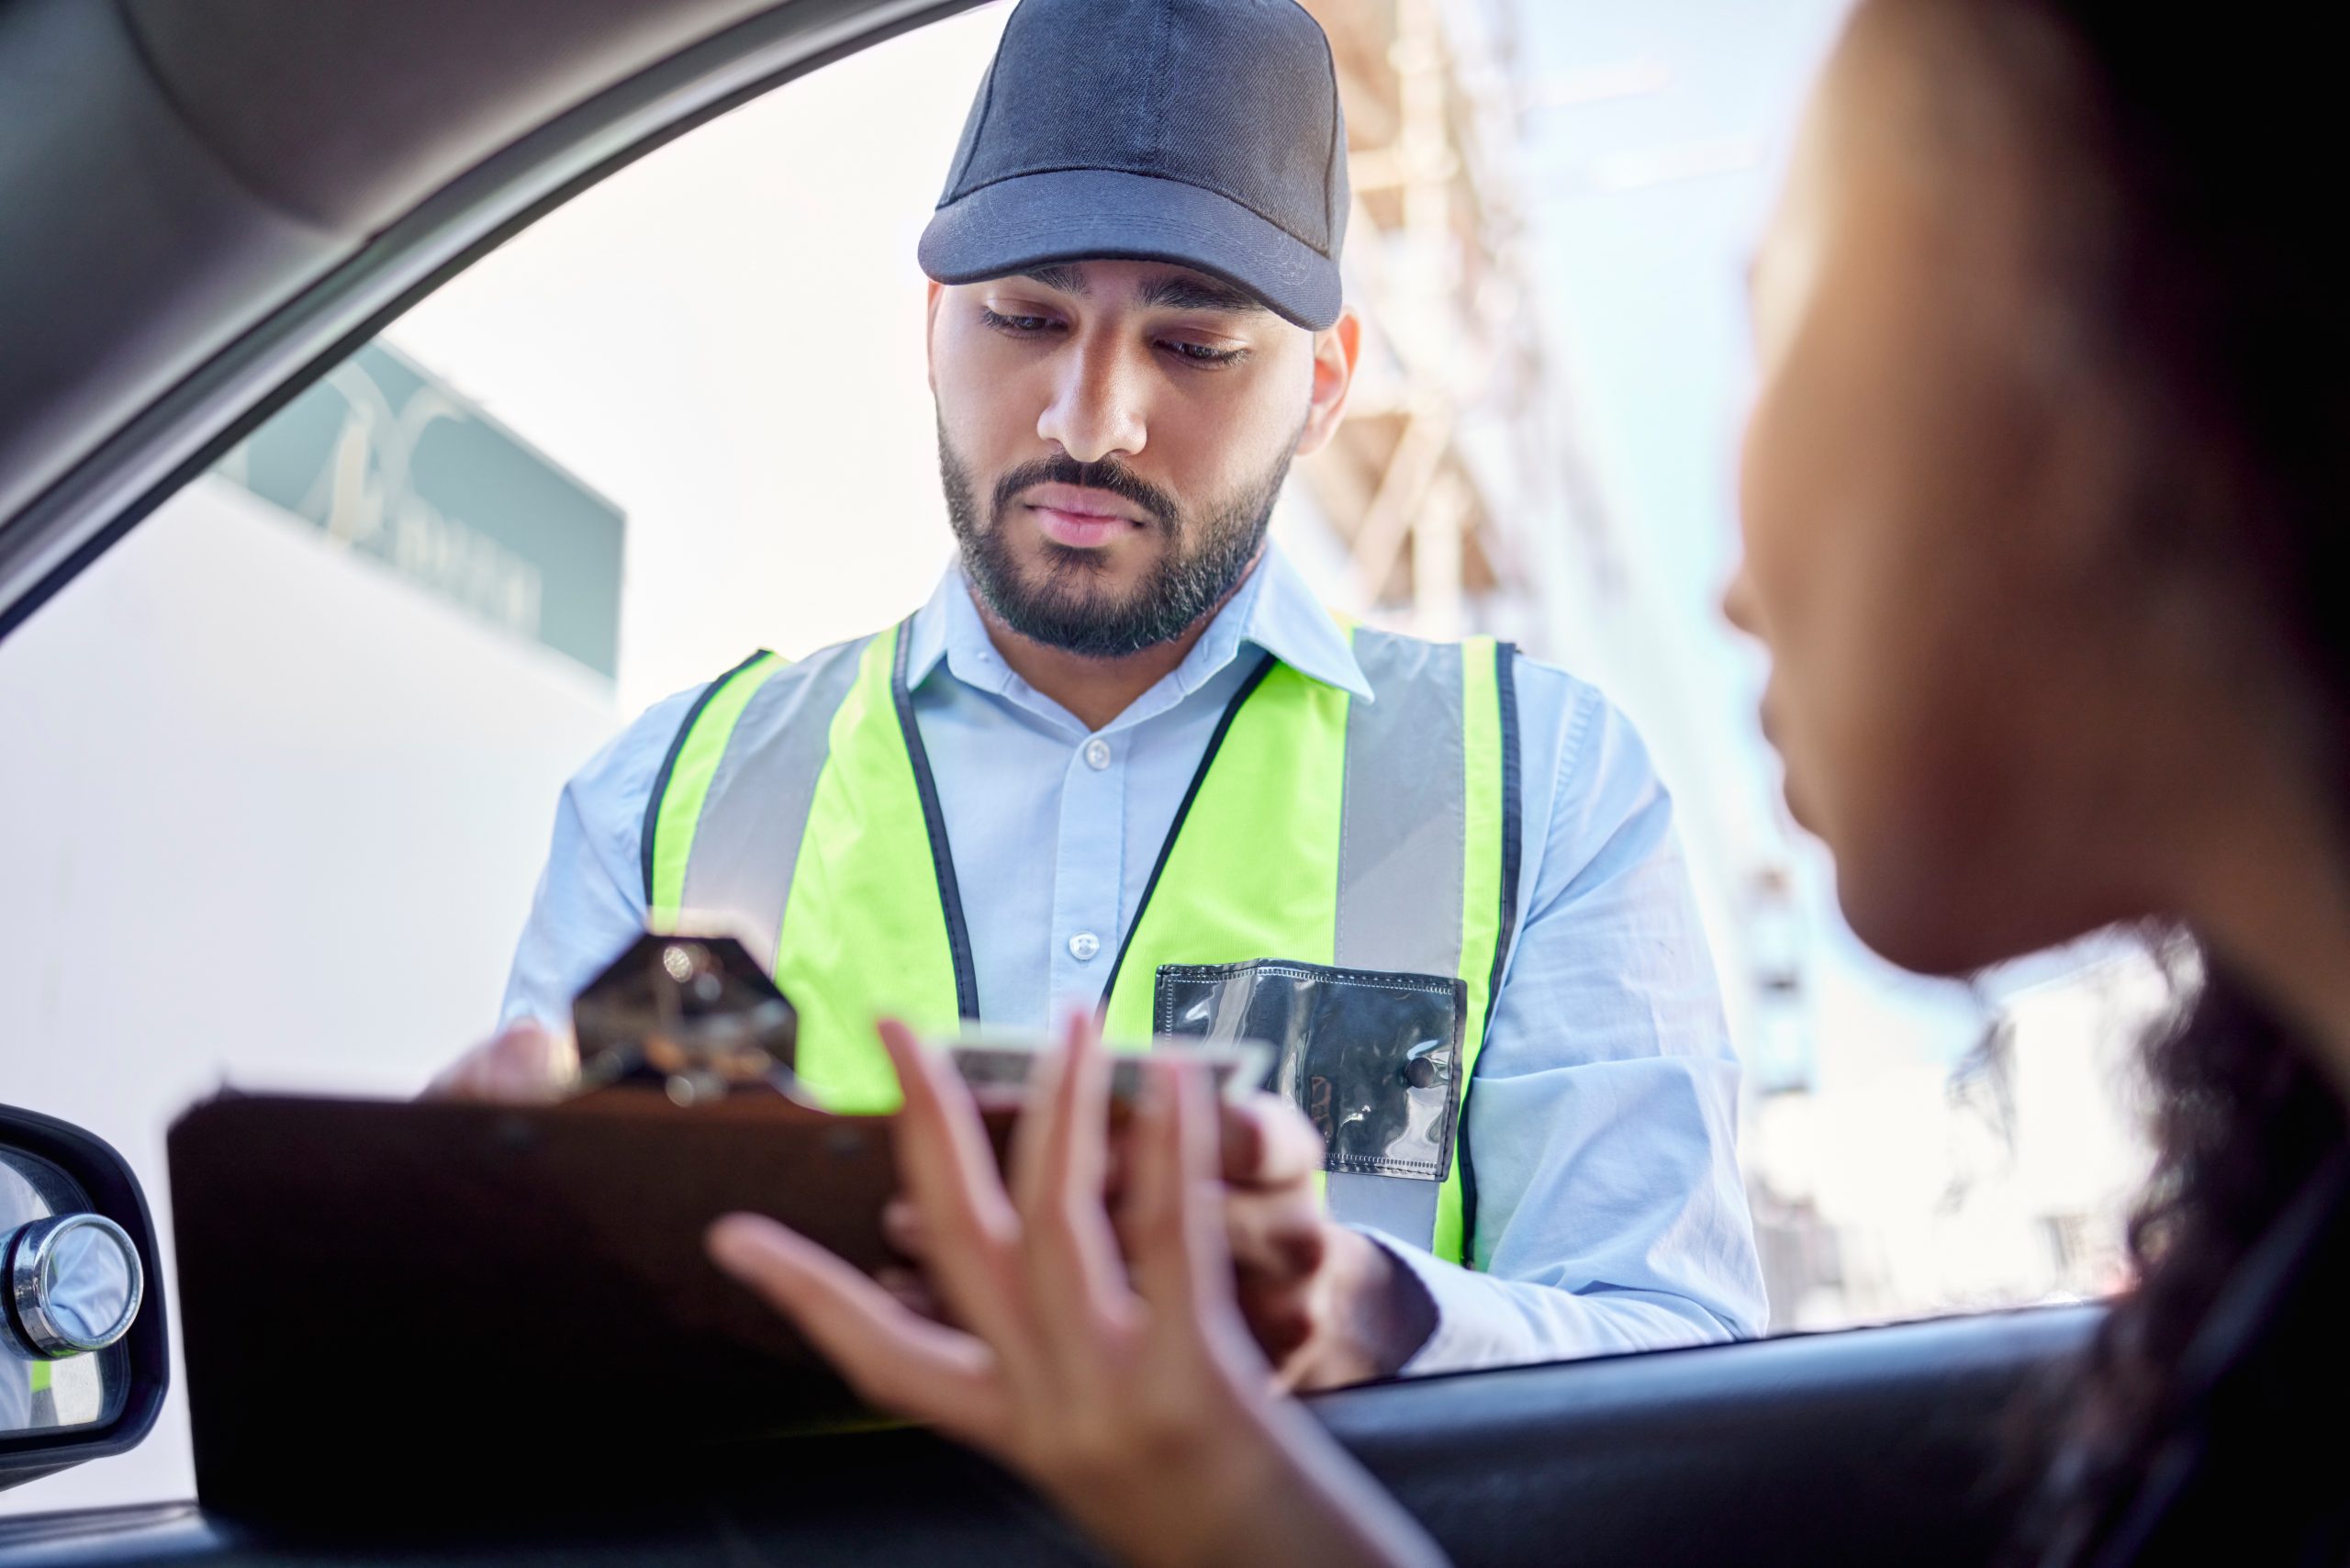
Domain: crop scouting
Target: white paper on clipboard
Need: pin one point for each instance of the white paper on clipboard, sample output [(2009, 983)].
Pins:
[(1005, 1059)]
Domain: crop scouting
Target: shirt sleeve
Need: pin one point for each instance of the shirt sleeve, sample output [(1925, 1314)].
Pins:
[(590, 899), (1602, 1128)]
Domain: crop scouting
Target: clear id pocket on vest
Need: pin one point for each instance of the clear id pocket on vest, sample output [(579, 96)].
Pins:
[(1369, 1058)]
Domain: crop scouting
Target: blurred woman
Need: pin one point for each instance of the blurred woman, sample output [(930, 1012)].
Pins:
[(2043, 497)]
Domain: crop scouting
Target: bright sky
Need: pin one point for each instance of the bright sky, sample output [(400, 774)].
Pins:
[(726, 339)]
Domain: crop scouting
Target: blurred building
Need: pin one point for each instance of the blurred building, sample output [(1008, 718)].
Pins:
[(1455, 474), (2006, 1180), (1911, 1148)]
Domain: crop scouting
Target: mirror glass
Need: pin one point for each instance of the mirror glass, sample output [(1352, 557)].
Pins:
[(86, 1286)]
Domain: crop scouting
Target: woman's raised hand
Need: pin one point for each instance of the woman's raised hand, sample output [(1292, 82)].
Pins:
[(1103, 1357)]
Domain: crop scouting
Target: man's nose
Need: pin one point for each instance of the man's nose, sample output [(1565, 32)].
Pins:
[(1096, 410)]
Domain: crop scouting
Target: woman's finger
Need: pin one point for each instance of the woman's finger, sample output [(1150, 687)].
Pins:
[(893, 1358), (1061, 1161), (947, 1170), (902, 1227), (1175, 1224), (1025, 1160)]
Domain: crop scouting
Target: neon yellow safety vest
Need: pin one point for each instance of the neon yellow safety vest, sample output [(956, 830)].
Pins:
[(1341, 878)]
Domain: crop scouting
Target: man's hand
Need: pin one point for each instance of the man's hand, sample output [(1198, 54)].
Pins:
[(526, 1064), (1329, 1306)]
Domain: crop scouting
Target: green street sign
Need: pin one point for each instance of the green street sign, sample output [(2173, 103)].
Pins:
[(386, 459)]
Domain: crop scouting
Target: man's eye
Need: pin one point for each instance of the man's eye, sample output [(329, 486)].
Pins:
[(1203, 354), (1019, 325)]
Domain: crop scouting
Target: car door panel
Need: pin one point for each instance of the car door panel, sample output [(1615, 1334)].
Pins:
[(1869, 1446)]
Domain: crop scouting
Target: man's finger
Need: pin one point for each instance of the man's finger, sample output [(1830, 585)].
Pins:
[(1274, 1235), (892, 1356), (1268, 1141), (1279, 1318), (525, 1064)]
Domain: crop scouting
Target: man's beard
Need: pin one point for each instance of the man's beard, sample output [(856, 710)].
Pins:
[(1205, 560)]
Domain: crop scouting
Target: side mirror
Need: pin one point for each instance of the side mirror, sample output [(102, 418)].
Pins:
[(84, 1358)]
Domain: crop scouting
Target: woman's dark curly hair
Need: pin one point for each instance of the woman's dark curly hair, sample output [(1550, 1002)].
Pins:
[(2187, 161), (2243, 1122)]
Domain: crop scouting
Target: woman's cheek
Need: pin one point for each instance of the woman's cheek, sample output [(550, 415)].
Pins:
[(1814, 592), (1771, 522)]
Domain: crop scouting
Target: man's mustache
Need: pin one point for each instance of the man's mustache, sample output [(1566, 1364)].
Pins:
[(1107, 475)]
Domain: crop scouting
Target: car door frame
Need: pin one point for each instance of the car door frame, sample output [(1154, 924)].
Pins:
[(1491, 1458), (143, 455)]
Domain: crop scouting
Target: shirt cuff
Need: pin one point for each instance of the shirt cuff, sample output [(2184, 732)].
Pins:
[(1475, 1326)]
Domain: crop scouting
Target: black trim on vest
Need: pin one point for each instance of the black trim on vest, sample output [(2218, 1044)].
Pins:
[(1167, 848), (942, 855), (669, 764), (1513, 809)]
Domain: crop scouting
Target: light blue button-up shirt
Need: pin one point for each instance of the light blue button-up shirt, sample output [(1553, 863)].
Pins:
[(1610, 1215)]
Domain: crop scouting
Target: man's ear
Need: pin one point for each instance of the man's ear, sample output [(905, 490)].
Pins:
[(1337, 349), (929, 332)]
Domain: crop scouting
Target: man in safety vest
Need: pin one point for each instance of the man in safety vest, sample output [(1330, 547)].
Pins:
[(1121, 759)]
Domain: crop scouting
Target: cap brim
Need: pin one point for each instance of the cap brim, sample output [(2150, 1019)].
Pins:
[(1074, 214)]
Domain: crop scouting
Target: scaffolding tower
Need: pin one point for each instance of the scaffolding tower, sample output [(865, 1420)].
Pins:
[(1454, 475)]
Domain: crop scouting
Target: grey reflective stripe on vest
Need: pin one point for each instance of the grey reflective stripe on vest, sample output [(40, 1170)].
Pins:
[(747, 841), (1401, 853), (1401, 843)]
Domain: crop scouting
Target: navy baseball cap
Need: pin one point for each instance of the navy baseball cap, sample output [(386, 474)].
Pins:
[(1205, 133)]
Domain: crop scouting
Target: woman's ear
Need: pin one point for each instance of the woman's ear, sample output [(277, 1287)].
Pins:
[(1336, 350)]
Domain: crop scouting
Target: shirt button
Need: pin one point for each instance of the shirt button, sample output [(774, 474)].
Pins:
[(1083, 946), (1097, 753)]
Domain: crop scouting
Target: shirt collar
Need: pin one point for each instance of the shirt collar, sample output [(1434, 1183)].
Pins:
[(1274, 611), (1287, 620)]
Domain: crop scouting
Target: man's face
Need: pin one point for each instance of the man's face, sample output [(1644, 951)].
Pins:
[(1111, 437)]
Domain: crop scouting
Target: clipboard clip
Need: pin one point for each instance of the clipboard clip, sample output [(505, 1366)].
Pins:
[(694, 1018)]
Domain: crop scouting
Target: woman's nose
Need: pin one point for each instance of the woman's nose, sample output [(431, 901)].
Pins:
[(1738, 603)]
